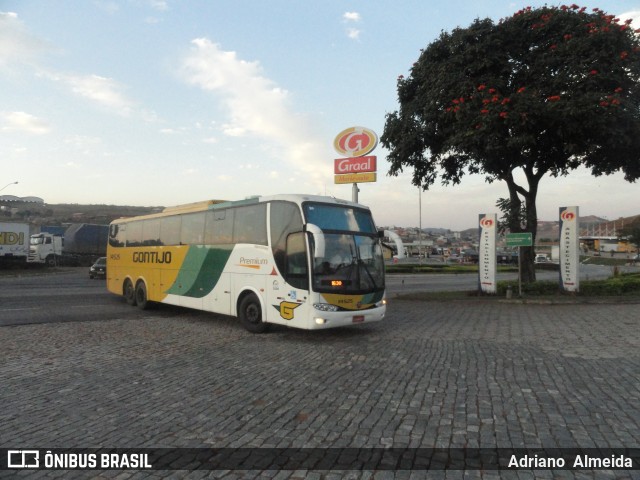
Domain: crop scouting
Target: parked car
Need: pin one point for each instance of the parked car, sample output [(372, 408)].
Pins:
[(99, 269)]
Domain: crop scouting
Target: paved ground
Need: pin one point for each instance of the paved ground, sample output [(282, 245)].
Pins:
[(466, 374)]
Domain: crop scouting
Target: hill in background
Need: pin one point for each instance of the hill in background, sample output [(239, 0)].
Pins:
[(60, 214)]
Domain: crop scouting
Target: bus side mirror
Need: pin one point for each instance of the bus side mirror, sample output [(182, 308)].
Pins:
[(318, 237)]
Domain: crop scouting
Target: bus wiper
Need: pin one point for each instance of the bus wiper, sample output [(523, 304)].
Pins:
[(366, 269)]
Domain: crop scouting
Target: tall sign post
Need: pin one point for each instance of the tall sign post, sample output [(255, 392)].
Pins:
[(524, 239), (569, 249), (487, 253), (357, 167)]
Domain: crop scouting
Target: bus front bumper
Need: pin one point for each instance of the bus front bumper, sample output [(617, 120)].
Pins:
[(323, 319)]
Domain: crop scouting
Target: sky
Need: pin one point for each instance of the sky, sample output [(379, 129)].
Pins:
[(165, 102)]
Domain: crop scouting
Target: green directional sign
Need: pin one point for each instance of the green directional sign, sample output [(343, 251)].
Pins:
[(519, 239)]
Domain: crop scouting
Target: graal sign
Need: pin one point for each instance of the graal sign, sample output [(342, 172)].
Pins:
[(358, 167), (354, 165)]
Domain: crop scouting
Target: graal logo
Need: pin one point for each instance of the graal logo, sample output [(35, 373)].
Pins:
[(23, 459)]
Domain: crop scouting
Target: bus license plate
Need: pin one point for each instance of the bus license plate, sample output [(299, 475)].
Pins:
[(358, 319)]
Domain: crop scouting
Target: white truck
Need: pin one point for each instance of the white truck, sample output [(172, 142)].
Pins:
[(45, 248), (14, 241), (82, 244)]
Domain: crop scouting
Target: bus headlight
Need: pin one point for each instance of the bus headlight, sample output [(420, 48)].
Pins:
[(325, 307), (382, 303)]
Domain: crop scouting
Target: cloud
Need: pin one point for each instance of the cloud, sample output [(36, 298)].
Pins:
[(633, 15), (24, 122), (160, 5), (101, 90), (351, 16), (104, 91), (17, 45), (256, 106), (353, 33)]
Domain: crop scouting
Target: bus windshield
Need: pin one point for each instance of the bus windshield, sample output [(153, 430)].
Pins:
[(339, 218), (352, 261)]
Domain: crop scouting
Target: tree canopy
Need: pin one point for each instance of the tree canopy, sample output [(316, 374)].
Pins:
[(541, 92)]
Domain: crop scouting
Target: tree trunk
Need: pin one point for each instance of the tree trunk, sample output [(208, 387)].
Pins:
[(527, 223)]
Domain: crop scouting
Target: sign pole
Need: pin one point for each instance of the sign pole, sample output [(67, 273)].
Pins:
[(354, 193), (523, 239), (520, 272)]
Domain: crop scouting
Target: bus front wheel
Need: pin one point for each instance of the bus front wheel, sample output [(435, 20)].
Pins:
[(129, 292), (250, 314)]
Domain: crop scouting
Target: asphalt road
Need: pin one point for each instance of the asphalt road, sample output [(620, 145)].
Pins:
[(70, 296), (64, 296)]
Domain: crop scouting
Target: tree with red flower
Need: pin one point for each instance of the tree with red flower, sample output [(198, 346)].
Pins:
[(537, 102)]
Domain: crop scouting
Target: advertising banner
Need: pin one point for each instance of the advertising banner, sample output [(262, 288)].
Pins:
[(487, 253), (569, 249), (355, 178)]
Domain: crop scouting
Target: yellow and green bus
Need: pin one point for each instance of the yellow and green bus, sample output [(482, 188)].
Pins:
[(304, 261)]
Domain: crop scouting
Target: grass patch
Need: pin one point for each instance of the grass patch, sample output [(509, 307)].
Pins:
[(624, 284), (607, 261)]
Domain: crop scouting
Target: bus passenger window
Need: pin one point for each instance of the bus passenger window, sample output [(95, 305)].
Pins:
[(134, 234), (192, 229), (250, 224), (151, 233), (170, 230), (219, 229)]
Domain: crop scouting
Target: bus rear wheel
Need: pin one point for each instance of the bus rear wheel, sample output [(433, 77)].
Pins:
[(141, 296), (129, 292), (250, 314)]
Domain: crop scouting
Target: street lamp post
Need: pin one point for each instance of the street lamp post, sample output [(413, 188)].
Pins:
[(12, 183), (420, 225)]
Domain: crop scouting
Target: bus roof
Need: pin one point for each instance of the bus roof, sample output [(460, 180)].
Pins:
[(215, 204)]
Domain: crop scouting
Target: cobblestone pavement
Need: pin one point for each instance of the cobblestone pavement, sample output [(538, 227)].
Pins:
[(468, 374)]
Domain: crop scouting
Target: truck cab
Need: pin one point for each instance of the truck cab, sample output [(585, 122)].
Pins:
[(45, 248), (541, 258)]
